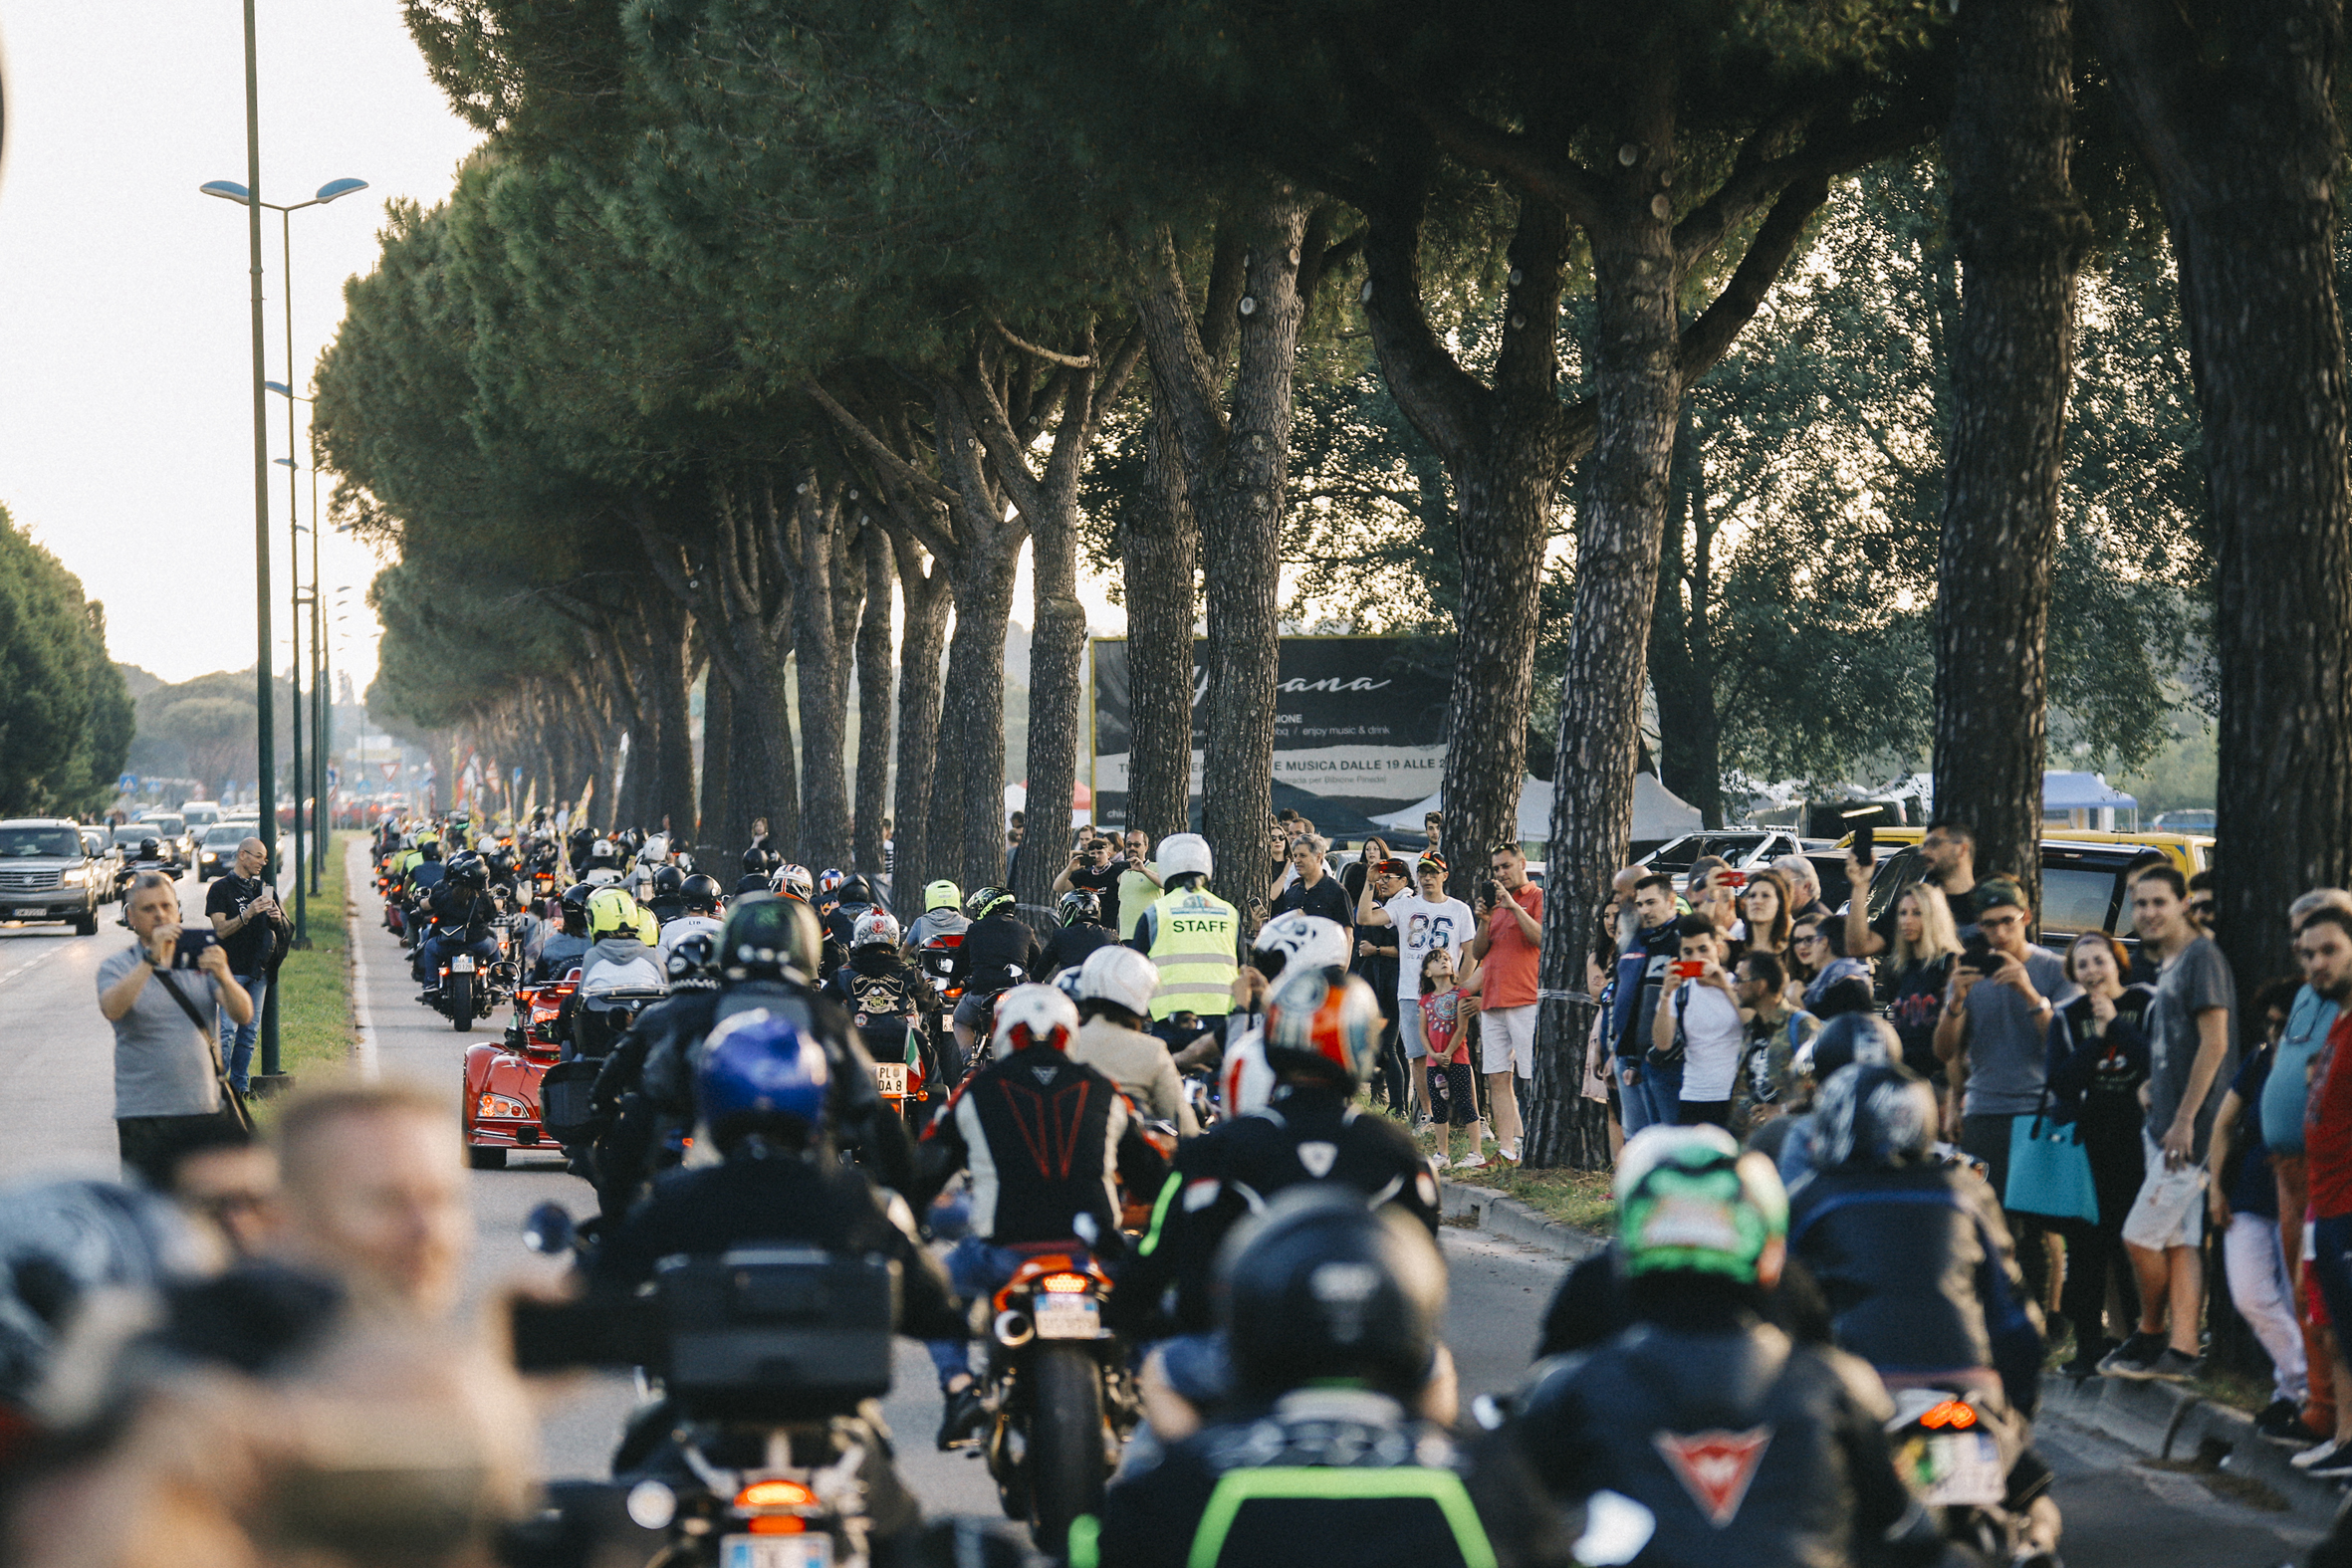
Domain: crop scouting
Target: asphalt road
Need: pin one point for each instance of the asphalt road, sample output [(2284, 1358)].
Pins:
[(56, 1075)]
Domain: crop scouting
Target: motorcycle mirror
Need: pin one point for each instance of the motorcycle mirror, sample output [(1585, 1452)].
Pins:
[(1616, 1528), (547, 1230)]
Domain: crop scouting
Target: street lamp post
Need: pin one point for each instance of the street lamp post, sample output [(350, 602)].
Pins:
[(321, 705), (249, 196)]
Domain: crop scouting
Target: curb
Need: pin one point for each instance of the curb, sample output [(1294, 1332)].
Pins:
[(2170, 1422), (1489, 1211)]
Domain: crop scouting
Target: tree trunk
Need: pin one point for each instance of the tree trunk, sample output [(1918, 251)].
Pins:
[(2020, 235), (873, 701), (670, 783), (968, 799), (1505, 449), (747, 797), (922, 634), (1639, 392), (714, 826), (1682, 637), (1160, 553), (825, 800), (2235, 118), (1057, 654)]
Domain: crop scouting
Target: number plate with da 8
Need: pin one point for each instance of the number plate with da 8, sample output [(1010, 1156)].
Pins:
[(776, 1552), (890, 1077)]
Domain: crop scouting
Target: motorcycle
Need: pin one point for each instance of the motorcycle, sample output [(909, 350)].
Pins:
[(1058, 1397), (1959, 1456), (500, 1103)]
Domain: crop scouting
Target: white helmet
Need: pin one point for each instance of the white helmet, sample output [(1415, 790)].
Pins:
[(1305, 941), (1245, 1081), (1034, 1016), (1119, 975), (876, 928), (1183, 852), (656, 850), (486, 845)]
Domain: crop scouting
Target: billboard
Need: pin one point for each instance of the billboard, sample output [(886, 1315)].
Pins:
[(1357, 719)]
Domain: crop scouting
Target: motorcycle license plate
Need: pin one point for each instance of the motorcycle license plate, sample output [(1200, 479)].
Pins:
[(462, 964), (776, 1552), (890, 1077), (1955, 1470), (1067, 1317)]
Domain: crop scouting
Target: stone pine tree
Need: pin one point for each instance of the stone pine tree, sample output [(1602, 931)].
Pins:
[(2231, 108), (2021, 233)]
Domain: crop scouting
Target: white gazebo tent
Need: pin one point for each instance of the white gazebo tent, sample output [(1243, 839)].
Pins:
[(1658, 813)]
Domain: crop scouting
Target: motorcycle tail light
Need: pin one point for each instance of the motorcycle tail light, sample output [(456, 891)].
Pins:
[(1952, 1412), (1064, 1285), (500, 1105), (775, 1494), (775, 1524)]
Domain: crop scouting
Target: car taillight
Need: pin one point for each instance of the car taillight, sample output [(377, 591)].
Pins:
[(500, 1105)]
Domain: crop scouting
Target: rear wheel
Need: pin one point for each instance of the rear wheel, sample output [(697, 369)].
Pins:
[(482, 1159), (1065, 1442), (86, 923), (457, 995)]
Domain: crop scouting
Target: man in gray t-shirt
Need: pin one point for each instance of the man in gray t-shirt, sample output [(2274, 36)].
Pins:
[(166, 1072), (2194, 983)]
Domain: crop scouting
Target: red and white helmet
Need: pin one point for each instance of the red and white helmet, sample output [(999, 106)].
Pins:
[(1244, 1081), (1323, 1018), (874, 928), (1034, 1016)]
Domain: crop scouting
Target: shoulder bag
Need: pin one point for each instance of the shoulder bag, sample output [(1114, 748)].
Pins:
[(2049, 1170), (233, 1108)]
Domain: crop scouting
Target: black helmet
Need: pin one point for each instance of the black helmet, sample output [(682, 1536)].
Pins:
[(694, 962), (986, 902), (150, 849), (1851, 1037), (854, 889), (699, 892), (575, 910), (766, 936), (1321, 1286), (669, 882), (1873, 1116), (756, 882), (1079, 903), (467, 870), (430, 850), (759, 862)]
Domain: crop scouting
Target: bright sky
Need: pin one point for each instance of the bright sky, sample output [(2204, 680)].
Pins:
[(126, 405)]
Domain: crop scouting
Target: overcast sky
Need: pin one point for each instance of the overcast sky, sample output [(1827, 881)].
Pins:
[(125, 405)]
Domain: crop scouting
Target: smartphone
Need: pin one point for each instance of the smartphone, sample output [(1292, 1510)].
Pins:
[(1977, 954), (1866, 842), (1733, 879), (192, 943), (1689, 969)]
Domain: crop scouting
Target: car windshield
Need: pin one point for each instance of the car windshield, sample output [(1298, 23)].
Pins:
[(24, 843), (172, 825), (228, 837), (132, 832)]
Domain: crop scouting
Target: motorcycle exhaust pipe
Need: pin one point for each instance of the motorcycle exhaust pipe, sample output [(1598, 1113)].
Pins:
[(1013, 1329)]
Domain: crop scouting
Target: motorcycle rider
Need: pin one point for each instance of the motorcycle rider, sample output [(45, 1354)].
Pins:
[(1337, 1448), (604, 867), (664, 894), (1193, 935), (461, 910), (940, 915), (1028, 1187), (1114, 993), (1293, 940), (999, 952), (425, 872), (652, 857), (1745, 1445), (882, 995), (759, 871), (563, 941), (619, 958), (697, 915), (1083, 932)]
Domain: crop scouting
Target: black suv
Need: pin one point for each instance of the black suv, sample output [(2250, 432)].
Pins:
[(48, 873), (2081, 888)]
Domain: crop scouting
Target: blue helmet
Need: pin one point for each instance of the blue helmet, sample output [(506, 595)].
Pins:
[(761, 1074)]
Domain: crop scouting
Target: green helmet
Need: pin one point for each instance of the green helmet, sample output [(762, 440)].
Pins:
[(764, 936), (1687, 1200), (942, 894)]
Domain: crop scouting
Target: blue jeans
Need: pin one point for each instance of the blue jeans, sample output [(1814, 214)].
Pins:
[(975, 1269), (434, 950), (236, 1039), (1655, 1101)]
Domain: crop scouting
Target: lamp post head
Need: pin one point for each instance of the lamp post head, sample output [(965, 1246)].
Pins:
[(227, 191), (341, 187)]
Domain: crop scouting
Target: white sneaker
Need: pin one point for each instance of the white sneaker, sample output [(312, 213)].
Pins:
[(1507, 1153), (2313, 1454), (1469, 1162), (1439, 1160)]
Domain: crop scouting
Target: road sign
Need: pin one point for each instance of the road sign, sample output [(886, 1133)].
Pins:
[(391, 769), (127, 783)]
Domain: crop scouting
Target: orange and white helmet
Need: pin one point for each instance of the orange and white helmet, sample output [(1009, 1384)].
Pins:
[(1034, 1016), (1326, 1020)]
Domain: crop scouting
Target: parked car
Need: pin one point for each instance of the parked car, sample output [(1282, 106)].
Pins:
[(2190, 853), (48, 873), (99, 845), (217, 854), (2082, 887)]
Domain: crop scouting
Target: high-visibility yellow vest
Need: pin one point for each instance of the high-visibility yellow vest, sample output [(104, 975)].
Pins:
[(1193, 944)]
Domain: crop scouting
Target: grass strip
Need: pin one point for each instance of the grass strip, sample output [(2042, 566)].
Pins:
[(316, 1033)]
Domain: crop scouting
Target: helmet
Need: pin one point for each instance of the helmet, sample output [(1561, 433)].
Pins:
[(1185, 852), (699, 891), (1119, 975), (874, 928), (487, 844), (856, 890), (575, 907), (828, 879), (759, 1073), (427, 836), (1874, 1116), (942, 894), (1324, 1020), (795, 882), (604, 852), (150, 849), (631, 839), (696, 960), (1067, 982), (1304, 940), (1847, 1038), (766, 936), (1319, 1286), (1034, 1016), (757, 861), (657, 849), (60, 1240), (986, 902), (1079, 903), (467, 870), (669, 882), (610, 912), (1689, 1201)]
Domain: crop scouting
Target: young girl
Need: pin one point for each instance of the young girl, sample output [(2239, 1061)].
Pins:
[(1451, 1086)]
